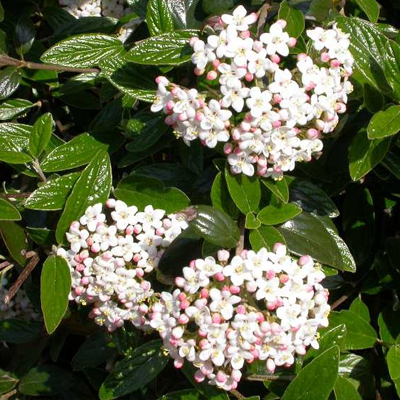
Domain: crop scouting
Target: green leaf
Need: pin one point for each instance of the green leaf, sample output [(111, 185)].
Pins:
[(265, 236), (370, 7), (358, 307), (360, 334), (41, 134), (384, 123), (389, 325), (392, 161), (278, 214), (92, 187), (57, 17), (84, 51), (170, 48), (143, 191), (365, 154), (279, 188), (9, 81), (317, 379), (158, 17), (353, 366), (392, 245), (45, 380), (184, 13), (41, 236), (320, 9), (306, 234), (52, 195), (8, 380), (134, 372), (1, 13), (345, 390), (14, 143), (55, 286), (95, 350), (252, 221), (77, 152), (244, 190), (293, 17), (311, 198), (24, 35), (215, 226), (14, 238), (19, 331), (393, 361), (188, 394), (373, 99), (8, 212), (14, 108), (220, 197)]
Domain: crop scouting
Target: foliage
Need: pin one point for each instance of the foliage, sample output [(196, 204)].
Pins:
[(76, 128)]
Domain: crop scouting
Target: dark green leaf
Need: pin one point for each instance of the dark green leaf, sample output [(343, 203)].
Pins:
[(192, 156), (345, 390), (245, 191), (134, 372), (358, 307), (188, 394), (373, 99), (24, 35), (14, 143), (365, 154), (45, 380), (293, 17), (52, 195), (278, 214), (393, 360), (8, 212), (19, 331), (14, 108), (41, 236), (92, 187), (384, 123), (170, 48), (389, 325), (15, 240), (353, 366), (360, 334), (370, 7), (220, 197), (215, 226), (84, 51), (142, 191), (279, 188), (41, 134), (57, 17), (158, 17), (265, 236), (8, 380), (317, 379), (9, 81), (55, 286)]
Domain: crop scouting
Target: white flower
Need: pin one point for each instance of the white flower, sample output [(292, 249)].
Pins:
[(124, 215), (238, 271), (234, 96), (202, 54), (150, 218), (239, 19), (222, 302), (283, 84), (241, 162), (276, 40), (259, 102)]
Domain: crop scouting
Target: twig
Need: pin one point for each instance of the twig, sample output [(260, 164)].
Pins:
[(4, 264), (262, 378), (240, 244), (262, 17), (9, 394), (21, 278), (237, 394), (38, 169), (15, 195), (5, 60)]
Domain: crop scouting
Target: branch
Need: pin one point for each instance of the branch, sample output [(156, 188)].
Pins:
[(262, 378), (15, 195), (5, 60), (240, 244), (21, 278), (237, 394)]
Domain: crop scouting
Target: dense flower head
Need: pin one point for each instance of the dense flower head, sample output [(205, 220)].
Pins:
[(111, 252), (268, 115), (261, 305), (19, 307)]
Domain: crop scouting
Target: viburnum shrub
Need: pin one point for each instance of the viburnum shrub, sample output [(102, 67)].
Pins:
[(199, 199)]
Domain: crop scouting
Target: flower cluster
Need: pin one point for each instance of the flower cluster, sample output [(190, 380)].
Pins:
[(102, 8), (259, 306), (19, 307), (109, 256), (268, 116)]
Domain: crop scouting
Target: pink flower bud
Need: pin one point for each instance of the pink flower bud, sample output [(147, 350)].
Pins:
[(85, 280), (270, 274), (258, 46), (202, 333), (221, 377), (192, 264), (303, 260), (211, 75), (262, 171), (245, 34), (184, 305), (178, 363), (216, 63), (270, 365), (292, 42), (234, 289), (75, 225), (277, 124), (199, 116), (241, 309), (139, 272), (216, 319), (110, 203), (179, 281), (249, 77), (193, 40), (182, 296), (204, 293), (220, 277), (95, 248), (282, 23), (251, 286), (277, 98), (236, 375), (275, 59), (80, 267), (223, 255), (198, 71), (283, 278), (278, 246), (302, 56), (199, 376), (271, 305), (183, 319), (79, 290)]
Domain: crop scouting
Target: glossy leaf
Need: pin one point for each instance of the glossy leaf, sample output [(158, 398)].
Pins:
[(279, 188), (353, 366), (215, 226), (370, 7), (25, 33), (55, 286), (359, 307), (19, 331), (158, 17), (360, 334), (84, 51), (389, 325), (393, 361), (9, 81), (142, 191), (365, 154), (8, 212), (293, 17), (245, 191), (14, 143), (14, 238), (265, 236), (41, 134), (170, 48), (384, 123), (220, 197), (134, 372), (14, 108), (306, 234), (345, 390), (278, 214), (92, 187), (317, 379), (52, 195)]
